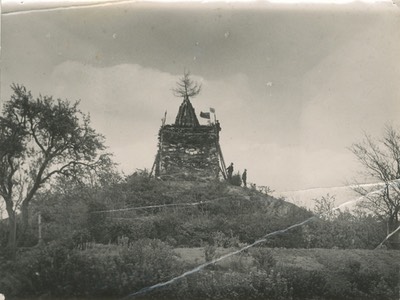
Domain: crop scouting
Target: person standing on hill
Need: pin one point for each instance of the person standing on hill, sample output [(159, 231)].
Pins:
[(244, 178), (230, 171)]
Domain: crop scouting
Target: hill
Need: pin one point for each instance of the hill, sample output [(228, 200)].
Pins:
[(275, 206), (125, 235), (181, 213), (190, 213)]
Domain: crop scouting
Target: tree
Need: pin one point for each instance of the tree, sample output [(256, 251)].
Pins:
[(186, 87), (324, 207), (381, 160), (41, 139)]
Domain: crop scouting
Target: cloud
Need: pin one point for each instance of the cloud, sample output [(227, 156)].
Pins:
[(127, 101), (119, 91), (352, 89), (292, 89), (290, 167)]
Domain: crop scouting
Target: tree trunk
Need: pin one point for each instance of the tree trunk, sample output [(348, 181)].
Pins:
[(394, 241), (25, 217), (12, 231), (25, 214)]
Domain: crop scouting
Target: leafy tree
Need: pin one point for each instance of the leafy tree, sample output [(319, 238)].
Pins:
[(40, 139), (381, 160), (324, 207), (186, 87)]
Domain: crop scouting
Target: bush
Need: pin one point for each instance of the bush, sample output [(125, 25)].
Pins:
[(352, 279), (210, 252), (220, 239), (236, 180), (345, 231), (263, 258), (305, 284), (57, 270), (229, 285)]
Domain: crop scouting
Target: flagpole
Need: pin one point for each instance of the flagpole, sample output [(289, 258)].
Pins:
[(212, 110)]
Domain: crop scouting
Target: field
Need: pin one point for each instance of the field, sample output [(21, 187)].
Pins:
[(307, 259), (293, 274)]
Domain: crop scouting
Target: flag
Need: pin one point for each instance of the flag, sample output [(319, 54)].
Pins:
[(212, 110), (205, 115)]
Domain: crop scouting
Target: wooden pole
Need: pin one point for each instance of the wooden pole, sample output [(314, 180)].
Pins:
[(158, 155), (160, 152), (153, 167), (221, 157), (160, 147), (223, 166)]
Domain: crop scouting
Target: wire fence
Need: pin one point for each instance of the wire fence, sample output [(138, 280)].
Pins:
[(160, 205)]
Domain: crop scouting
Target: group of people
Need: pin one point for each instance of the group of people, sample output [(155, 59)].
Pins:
[(230, 172)]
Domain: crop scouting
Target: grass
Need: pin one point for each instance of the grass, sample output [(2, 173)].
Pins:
[(307, 259)]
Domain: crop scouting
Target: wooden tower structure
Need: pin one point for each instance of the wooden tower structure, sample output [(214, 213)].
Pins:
[(188, 150)]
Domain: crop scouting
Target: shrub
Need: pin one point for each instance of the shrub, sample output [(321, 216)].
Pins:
[(351, 279), (305, 284), (100, 271), (346, 231), (263, 258), (236, 180), (229, 285), (220, 239), (210, 252)]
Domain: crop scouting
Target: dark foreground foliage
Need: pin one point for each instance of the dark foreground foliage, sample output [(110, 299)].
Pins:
[(58, 270), (261, 273)]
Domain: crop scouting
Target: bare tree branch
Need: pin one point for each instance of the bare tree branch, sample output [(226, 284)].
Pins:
[(381, 160)]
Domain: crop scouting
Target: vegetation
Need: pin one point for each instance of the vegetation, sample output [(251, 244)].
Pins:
[(111, 212), (342, 229), (261, 273), (60, 270), (95, 243), (296, 274), (39, 139), (236, 179), (381, 160)]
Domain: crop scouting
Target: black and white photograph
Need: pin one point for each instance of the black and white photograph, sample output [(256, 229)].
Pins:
[(199, 150)]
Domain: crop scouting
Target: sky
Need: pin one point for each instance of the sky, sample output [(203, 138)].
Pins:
[(293, 85)]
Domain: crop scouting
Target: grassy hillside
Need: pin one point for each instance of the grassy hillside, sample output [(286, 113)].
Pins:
[(183, 214)]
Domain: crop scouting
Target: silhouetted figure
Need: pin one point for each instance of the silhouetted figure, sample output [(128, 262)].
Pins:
[(230, 171), (244, 178), (218, 125)]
